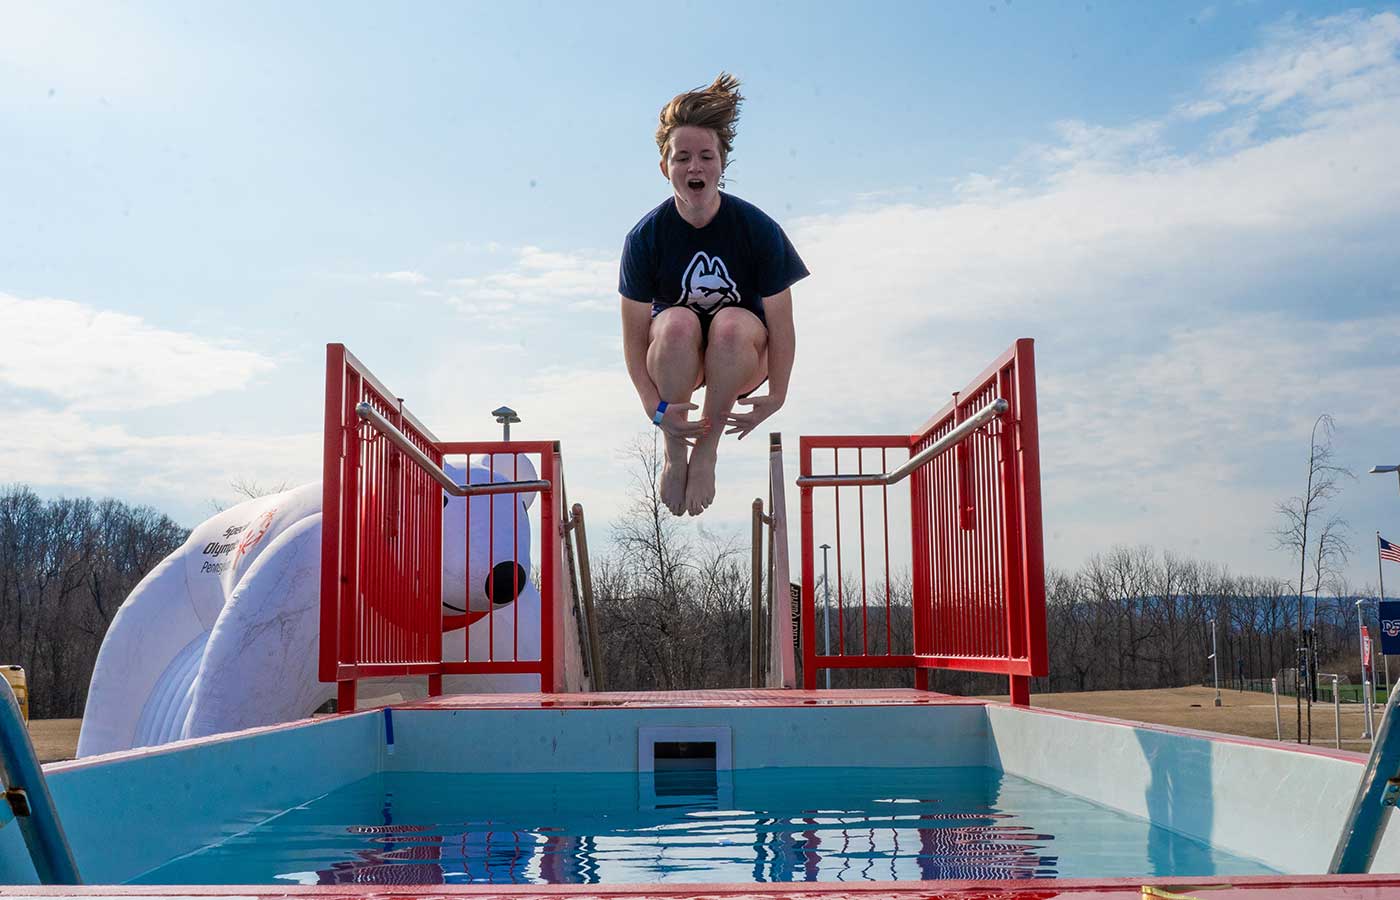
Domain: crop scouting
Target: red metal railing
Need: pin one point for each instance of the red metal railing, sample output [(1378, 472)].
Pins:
[(976, 594), (488, 659), (382, 545)]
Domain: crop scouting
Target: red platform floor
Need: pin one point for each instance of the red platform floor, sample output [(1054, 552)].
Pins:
[(1340, 887), (716, 698)]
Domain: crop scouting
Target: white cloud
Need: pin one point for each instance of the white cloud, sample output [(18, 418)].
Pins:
[(1251, 381), (1199, 109), (71, 372), (89, 358), (538, 283), (1081, 143), (403, 277), (1335, 61), (1116, 242), (68, 450)]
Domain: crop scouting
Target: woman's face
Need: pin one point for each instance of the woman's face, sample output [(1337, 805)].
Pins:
[(692, 164)]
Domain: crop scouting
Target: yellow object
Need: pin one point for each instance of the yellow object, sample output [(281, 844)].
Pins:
[(15, 676), (1150, 892)]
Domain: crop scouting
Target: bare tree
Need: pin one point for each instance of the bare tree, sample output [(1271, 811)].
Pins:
[(673, 607), (247, 488), (65, 567), (1324, 483), (1331, 554)]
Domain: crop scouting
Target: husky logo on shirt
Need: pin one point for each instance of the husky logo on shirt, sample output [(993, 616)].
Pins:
[(706, 284)]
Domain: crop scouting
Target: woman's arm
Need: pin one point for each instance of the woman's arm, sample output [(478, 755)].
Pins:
[(782, 343), (782, 349), (636, 337)]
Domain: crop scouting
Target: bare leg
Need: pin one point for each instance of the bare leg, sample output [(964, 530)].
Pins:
[(673, 361), (736, 360)]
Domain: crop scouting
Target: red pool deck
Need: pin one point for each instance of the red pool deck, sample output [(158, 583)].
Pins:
[(733, 698), (1341, 887)]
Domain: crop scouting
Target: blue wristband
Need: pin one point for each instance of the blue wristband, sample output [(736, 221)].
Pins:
[(659, 414)]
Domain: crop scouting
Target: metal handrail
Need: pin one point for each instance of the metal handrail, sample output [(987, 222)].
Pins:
[(27, 792), (371, 415), (1375, 800), (585, 574), (756, 597), (780, 670), (951, 439)]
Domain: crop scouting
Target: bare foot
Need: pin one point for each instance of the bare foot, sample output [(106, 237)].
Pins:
[(700, 482), (673, 478)]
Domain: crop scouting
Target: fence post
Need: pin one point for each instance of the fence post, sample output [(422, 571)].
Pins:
[(809, 580), (585, 573), (756, 600), (782, 665), (1366, 700), (1278, 723), (553, 675), (1337, 710)]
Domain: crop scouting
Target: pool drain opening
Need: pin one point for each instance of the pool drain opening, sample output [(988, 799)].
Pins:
[(684, 765)]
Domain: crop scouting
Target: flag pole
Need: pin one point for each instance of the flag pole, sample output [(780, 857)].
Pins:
[(1380, 570), (1380, 575)]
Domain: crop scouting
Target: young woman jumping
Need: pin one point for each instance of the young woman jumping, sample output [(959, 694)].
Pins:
[(706, 298)]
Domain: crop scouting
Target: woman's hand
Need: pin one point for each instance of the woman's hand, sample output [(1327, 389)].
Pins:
[(763, 406), (676, 422)]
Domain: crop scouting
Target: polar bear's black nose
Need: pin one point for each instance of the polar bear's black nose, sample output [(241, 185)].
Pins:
[(505, 582)]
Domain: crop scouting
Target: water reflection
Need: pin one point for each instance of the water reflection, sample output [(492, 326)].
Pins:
[(771, 825), (679, 831)]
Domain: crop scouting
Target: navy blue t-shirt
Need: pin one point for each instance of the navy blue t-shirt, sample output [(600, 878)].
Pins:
[(739, 258)]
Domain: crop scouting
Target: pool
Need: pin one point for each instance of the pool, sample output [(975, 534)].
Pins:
[(782, 786), (761, 825)]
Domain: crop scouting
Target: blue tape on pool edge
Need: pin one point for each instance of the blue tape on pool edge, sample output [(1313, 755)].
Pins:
[(389, 729)]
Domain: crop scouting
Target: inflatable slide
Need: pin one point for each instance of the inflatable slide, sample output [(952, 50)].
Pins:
[(223, 633)]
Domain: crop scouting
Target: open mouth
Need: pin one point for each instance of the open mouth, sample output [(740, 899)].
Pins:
[(695, 184)]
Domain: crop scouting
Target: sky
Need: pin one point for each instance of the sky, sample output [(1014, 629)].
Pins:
[(1193, 209)]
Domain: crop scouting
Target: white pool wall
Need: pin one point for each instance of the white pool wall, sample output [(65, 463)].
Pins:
[(129, 814), (1277, 805), (605, 740)]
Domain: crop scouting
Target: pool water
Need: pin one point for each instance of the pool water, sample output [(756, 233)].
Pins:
[(763, 825)]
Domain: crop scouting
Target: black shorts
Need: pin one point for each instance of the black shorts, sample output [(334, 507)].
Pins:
[(705, 320)]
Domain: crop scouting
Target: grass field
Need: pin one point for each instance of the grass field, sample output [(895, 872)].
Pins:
[(1240, 713), (54, 739)]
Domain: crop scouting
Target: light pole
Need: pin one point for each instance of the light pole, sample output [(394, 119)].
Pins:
[(1365, 682), (1336, 705), (826, 610), (1386, 470), (1385, 660), (505, 416), (1215, 659)]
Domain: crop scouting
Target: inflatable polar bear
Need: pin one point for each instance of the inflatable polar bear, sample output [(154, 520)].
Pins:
[(223, 634)]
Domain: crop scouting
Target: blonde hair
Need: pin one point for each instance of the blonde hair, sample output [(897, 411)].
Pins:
[(715, 107)]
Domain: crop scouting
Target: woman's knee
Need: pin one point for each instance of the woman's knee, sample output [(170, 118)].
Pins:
[(737, 329), (676, 328)]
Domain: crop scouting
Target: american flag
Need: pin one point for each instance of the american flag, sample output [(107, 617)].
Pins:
[(1388, 550)]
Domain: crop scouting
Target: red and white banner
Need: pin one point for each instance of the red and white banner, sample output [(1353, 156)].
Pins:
[(1366, 650)]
